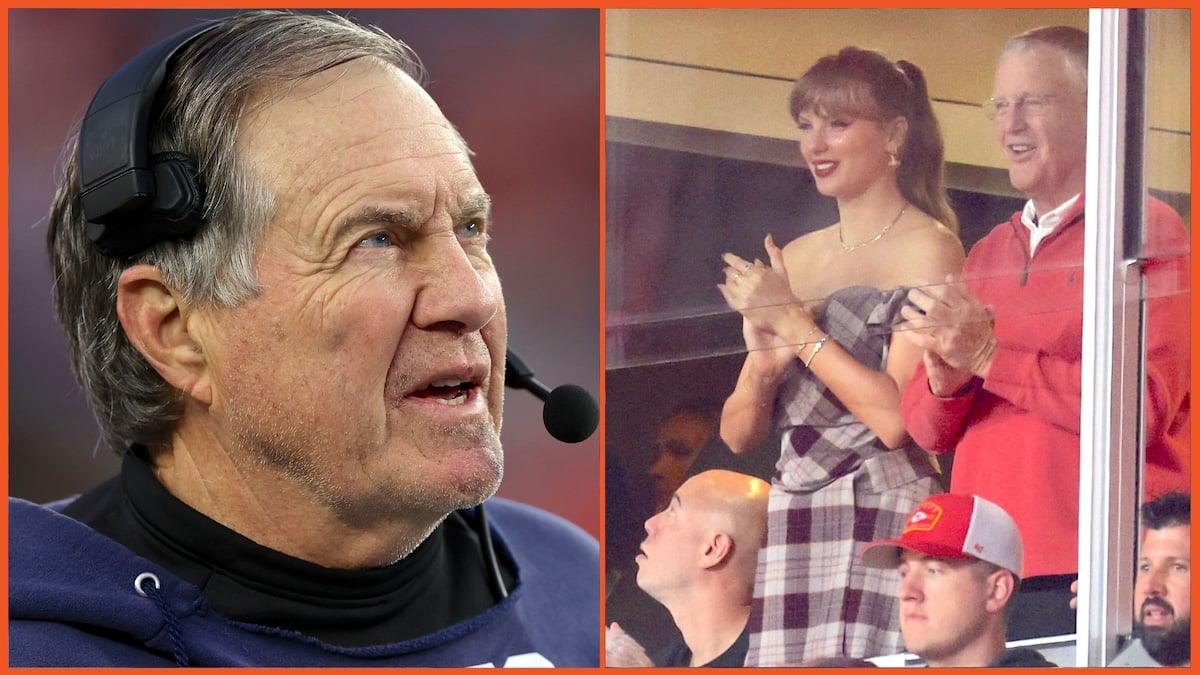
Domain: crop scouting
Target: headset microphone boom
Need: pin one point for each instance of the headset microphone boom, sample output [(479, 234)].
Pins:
[(570, 413)]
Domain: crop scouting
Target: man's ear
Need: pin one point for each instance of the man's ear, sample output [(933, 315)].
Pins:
[(1000, 588), (155, 319), (718, 550)]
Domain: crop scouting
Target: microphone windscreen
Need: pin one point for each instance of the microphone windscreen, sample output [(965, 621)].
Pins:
[(570, 413)]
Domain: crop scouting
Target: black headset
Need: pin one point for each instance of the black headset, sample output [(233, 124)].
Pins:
[(130, 199)]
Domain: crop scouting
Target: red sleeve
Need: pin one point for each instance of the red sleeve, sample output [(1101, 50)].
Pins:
[(934, 423), (1168, 337), (1044, 381)]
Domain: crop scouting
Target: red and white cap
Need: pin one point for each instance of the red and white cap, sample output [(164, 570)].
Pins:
[(954, 526)]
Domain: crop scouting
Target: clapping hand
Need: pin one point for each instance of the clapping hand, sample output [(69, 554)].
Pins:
[(955, 330), (761, 293), (622, 651)]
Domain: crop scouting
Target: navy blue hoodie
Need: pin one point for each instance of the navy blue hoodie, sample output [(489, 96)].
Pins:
[(72, 602)]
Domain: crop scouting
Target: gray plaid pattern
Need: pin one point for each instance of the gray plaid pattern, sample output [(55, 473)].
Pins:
[(836, 487)]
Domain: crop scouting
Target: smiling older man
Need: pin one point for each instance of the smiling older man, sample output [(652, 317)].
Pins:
[(1000, 380)]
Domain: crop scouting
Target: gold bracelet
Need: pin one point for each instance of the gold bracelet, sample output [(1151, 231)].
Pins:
[(816, 350), (799, 351)]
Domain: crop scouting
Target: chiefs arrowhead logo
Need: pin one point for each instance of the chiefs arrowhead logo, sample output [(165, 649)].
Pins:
[(924, 518)]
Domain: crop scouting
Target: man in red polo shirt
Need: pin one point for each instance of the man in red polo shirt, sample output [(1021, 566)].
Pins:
[(1000, 383)]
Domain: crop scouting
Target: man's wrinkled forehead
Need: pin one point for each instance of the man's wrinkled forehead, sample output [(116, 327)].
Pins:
[(345, 99), (420, 92), (362, 127)]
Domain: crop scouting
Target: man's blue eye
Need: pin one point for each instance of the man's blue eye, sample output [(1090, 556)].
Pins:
[(377, 240), (470, 229)]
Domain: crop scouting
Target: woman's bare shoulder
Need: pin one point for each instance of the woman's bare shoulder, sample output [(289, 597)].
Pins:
[(936, 241), (808, 242), (929, 252)]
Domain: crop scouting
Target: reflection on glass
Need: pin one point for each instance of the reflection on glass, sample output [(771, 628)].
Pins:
[(1165, 253), (1162, 590)]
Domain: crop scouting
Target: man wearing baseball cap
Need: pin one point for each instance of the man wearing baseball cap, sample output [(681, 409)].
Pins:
[(959, 560)]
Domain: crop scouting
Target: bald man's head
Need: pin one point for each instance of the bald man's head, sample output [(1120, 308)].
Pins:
[(732, 501), (713, 525)]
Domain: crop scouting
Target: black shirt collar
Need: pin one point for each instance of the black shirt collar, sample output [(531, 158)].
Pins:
[(440, 583)]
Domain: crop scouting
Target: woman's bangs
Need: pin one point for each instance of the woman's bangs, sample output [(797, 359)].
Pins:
[(831, 97)]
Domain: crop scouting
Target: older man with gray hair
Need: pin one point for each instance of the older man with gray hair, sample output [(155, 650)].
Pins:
[(1000, 380), (270, 252)]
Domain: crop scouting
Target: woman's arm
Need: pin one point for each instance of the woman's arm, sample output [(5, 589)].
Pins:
[(873, 396), (746, 416)]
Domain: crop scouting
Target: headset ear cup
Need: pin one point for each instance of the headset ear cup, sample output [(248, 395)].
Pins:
[(179, 192), (129, 200)]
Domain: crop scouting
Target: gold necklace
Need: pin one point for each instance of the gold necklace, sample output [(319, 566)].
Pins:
[(848, 247)]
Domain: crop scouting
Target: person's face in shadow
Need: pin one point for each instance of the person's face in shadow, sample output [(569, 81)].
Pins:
[(679, 441)]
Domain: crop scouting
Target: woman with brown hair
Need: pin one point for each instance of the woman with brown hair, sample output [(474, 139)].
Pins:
[(821, 365)]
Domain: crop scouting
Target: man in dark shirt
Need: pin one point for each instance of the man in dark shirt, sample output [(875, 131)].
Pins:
[(698, 560)]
